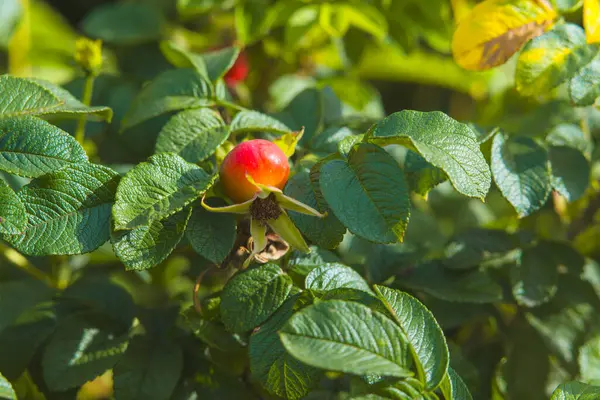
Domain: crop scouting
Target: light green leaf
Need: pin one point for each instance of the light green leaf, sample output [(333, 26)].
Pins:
[(253, 121), (368, 193), (442, 142), (124, 23), (13, 217), (589, 360), (534, 276), (173, 90), (182, 58), (570, 172), (576, 391), (79, 352), (16, 297), (250, 297), (453, 387), (332, 276), (149, 370), (522, 172), (220, 61), (276, 370), (464, 287), (156, 189), (551, 59), (250, 21), (6, 390), (68, 211), (10, 14), (212, 235), (585, 84), (326, 232), (193, 134), (32, 147), (425, 337), (347, 337), (23, 96), (146, 246)]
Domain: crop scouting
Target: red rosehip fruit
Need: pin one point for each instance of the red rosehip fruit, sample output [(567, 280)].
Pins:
[(238, 72), (264, 161)]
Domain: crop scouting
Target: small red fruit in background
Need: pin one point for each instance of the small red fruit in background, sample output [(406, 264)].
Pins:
[(264, 161), (238, 72)]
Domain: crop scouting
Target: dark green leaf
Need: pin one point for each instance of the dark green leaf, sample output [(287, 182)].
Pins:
[(576, 391), (124, 23), (13, 217), (326, 232), (211, 332), (156, 189), (306, 110), (78, 352), (368, 193), (347, 337), (253, 121), (148, 370), (570, 172), (585, 84), (220, 61), (250, 297), (68, 211), (569, 135), (193, 134), (16, 297), (173, 90), (421, 176), (535, 276), (148, 245), (425, 338), (183, 58), (522, 172), (212, 235), (32, 147), (279, 372), (333, 276), (470, 248), (442, 142)]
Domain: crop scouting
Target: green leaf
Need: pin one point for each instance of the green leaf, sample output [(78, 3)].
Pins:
[(276, 370), (465, 287), (589, 360), (10, 14), (146, 246), (182, 58), (124, 23), (421, 175), (68, 211), (13, 217), (522, 172), (441, 141), (220, 61), (250, 297), (368, 193), (212, 333), (32, 147), (306, 110), (212, 235), (425, 338), (78, 352), (453, 387), (576, 391), (326, 232), (332, 276), (6, 390), (249, 21), (41, 98), (551, 59), (193, 134), (16, 297), (347, 337), (252, 121), (173, 90), (470, 248), (148, 370), (570, 172), (569, 135), (585, 84), (156, 189), (534, 276)]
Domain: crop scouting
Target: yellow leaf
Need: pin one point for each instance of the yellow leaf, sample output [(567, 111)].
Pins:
[(496, 29), (591, 20), (288, 142)]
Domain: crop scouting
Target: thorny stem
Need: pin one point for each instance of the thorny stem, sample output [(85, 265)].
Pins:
[(18, 260), (88, 90)]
